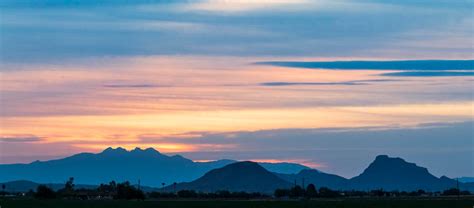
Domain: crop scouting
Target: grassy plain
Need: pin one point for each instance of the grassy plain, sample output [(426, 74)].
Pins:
[(321, 203)]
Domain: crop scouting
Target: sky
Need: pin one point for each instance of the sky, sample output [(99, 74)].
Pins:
[(240, 79)]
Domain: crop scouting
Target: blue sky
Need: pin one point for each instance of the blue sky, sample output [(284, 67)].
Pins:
[(33, 31)]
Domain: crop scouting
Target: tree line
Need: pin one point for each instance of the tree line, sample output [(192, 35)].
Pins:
[(111, 190), (311, 192), (125, 190)]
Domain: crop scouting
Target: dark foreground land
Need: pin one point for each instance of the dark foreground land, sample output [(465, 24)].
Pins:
[(336, 203)]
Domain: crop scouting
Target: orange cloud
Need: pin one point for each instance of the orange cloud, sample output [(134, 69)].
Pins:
[(208, 94)]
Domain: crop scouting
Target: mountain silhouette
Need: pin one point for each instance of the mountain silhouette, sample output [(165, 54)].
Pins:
[(147, 165), (240, 176), (317, 178), (397, 174), (153, 168)]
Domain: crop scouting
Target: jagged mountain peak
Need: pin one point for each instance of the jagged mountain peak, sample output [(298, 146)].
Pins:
[(111, 150), (147, 151), (120, 151), (386, 163), (393, 173)]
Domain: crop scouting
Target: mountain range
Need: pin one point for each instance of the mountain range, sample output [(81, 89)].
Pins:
[(149, 166), (153, 169), (383, 173)]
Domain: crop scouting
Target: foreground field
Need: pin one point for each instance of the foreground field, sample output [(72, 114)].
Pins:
[(352, 203)]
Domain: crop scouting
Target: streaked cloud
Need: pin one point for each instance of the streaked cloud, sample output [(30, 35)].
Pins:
[(238, 28), (309, 83), (406, 68), (405, 65), (131, 85), (430, 74), (352, 82), (20, 138), (237, 6)]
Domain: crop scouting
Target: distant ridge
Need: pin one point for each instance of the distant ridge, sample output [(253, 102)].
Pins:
[(240, 176), (317, 178)]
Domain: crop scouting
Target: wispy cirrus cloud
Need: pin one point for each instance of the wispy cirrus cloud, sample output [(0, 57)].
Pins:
[(132, 85), (234, 27), (241, 6), (430, 74), (352, 82), (406, 68), (273, 84), (405, 65), (20, 138)]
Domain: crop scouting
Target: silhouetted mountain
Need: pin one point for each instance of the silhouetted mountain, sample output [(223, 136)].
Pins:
[(148, 165), (397, 174), (319, 179), (239, 176)]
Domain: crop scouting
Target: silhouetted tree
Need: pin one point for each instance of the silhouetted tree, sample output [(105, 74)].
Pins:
[(296, 191), (223, 194), (69, 186), (126, 191), (30, 193), (451, 192), (327, 193), (279, 193), (380, 192), (107, 190), (44, 192), (3, 189), (187, 194), (465, 193), (68, 190), (311, 191)]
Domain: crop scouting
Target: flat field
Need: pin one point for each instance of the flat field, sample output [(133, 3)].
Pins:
[(322, 203)]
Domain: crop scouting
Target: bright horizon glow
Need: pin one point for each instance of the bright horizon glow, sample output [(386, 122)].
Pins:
[(97, 117)]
